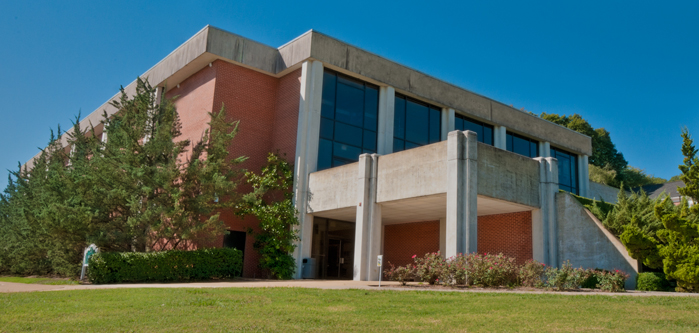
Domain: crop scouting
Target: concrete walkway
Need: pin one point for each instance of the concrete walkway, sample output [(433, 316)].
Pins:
[(9, 287)]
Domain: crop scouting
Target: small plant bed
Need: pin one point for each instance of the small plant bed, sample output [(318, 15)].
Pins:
[(490, 271), (37, 280)]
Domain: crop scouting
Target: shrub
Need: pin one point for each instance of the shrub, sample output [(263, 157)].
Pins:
[(490, 270), (564, 278), (611, 281), (590, 280), (430, 267), (166, 266), (401, 273), (531, 273), (653, 281)]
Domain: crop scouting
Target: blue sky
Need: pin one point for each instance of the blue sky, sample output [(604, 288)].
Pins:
[(630, 67)]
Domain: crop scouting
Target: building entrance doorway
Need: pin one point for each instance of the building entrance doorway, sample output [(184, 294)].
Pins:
[(333, 248)]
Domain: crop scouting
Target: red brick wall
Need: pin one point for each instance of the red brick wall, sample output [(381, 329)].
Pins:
[(402, 241), (510, 234), (267, 108)]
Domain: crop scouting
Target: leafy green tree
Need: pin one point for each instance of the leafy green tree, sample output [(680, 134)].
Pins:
[(610, 166), (271, 202)]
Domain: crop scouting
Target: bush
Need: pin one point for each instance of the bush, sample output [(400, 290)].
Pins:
[(652, 281), (564, 278), (590, 281), (401, 273), (531, 273), (430, 267), (490, 270), (166, 266), (611, 281)]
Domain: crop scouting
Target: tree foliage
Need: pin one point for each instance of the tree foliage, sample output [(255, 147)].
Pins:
[(139, 189), (610, 166), (271, 202)]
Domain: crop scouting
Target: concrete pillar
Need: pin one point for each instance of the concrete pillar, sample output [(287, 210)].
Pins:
[(448, 122), (368, 230), (500, 137), (583, 176), (462, 199), (387, 102), (306, 158), (544, 231), (443, 237), (544, 149)]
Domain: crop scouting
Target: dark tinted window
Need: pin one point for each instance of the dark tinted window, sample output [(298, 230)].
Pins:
[(484, 131), (567, 170), (349, 119), (522, 145), (415, 124)]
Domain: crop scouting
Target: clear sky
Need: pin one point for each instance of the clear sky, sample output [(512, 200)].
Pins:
[(630, 67)]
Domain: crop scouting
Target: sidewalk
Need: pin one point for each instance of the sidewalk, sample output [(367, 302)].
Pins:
[(9, 287)]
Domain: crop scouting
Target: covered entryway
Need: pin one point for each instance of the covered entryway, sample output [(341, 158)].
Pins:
[(333, 248)]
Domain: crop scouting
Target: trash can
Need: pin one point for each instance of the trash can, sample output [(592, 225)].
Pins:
[(308, 269)]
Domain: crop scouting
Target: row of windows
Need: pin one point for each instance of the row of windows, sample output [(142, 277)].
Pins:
[(349, 120), (349, 123)]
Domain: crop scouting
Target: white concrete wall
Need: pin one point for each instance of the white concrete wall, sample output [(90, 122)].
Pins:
[(507, 176), (333, 188), (413, 173), (584, 241)]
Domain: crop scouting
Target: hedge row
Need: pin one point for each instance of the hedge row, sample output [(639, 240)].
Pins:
[(166, 266)]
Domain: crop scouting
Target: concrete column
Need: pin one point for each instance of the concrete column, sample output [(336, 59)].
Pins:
[(368, 230), (443, 237), (500, 137), (387, 101), (306, 158), (583, 176), (448, 122), (544, 231), (462, 199), (544, 149)]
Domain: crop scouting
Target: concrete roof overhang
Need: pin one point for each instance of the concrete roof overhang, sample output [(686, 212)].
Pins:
[(426, 208), (211, 44)]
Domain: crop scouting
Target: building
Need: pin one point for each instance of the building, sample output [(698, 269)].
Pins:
[(669, 189), (388, 160)]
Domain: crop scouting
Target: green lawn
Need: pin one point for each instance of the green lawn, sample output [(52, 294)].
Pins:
[(37, 280), (292, 309)]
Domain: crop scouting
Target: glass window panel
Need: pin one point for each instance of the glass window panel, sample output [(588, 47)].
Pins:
[(416, 123), (509, 141), (326, 128), (328, 108), (398, 145), (338, 162), (371, 108), (520, 146), (348, 134), (350, 105), (459, 124), (350, 82), (410, 145), (346, 152), (325, 154), (471, 126), (534, 148), (487, 135), (435, 125), (399, 118), (369, 140)]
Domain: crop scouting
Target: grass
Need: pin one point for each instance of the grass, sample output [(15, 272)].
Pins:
[(30, 280), (296, 309)]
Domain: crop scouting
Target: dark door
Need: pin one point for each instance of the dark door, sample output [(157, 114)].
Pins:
[(334, 260), (236, 240)]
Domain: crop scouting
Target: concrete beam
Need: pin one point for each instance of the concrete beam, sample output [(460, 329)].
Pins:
[(306, 158), (368, 230), (544, 236), (462, 196), (544, 149), (500, 137), (387, 101)]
